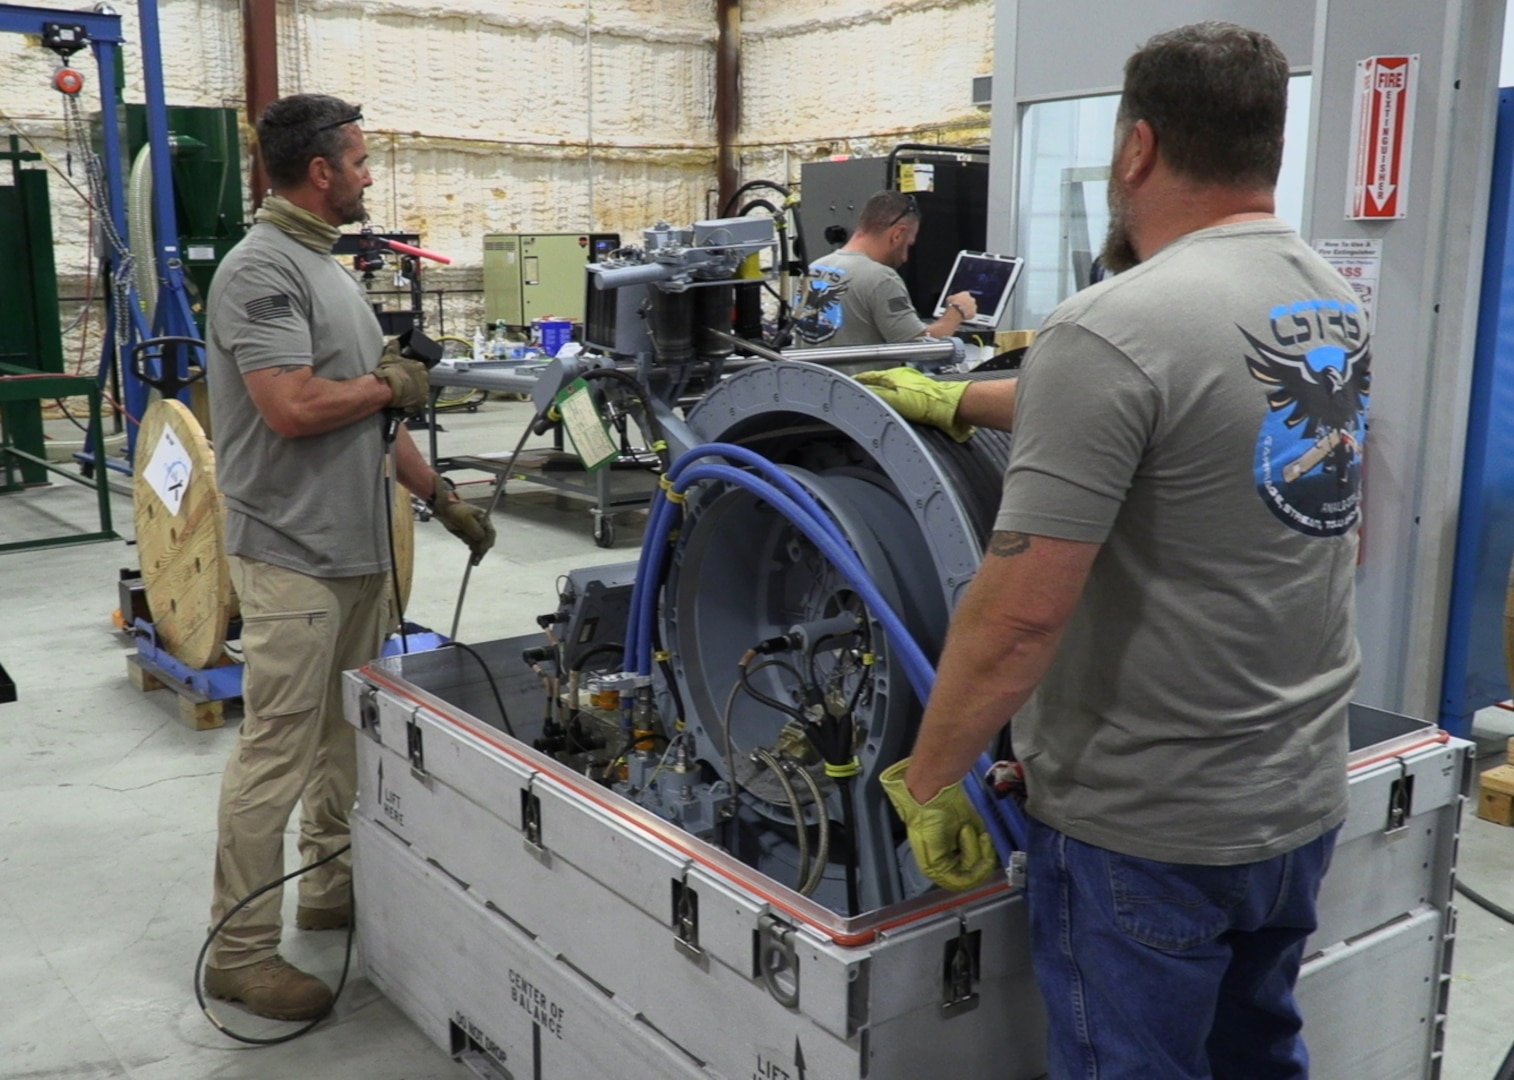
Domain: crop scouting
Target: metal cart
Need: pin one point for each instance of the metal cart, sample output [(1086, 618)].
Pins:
[(627, 483)]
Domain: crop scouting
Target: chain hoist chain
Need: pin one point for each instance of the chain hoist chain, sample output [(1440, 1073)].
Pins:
[(124, 263)]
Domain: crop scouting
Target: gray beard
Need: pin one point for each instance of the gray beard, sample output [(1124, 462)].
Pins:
[(1118, 254)]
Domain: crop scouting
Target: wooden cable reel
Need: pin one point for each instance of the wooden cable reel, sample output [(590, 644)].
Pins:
[(181, 536)]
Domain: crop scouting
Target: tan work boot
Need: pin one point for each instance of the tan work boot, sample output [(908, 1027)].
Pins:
[(321, 918), (274, 988)]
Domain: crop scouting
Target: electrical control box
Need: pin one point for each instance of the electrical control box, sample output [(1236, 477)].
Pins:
[(951, 189), (530, 276)]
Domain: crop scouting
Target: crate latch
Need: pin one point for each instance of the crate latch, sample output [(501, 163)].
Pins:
[(1400, 800), (415, 748), (685, 922), (368, 712), (959, 971), (530, 822)]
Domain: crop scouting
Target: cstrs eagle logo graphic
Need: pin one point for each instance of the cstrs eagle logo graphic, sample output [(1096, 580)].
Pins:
[(1309, 450)]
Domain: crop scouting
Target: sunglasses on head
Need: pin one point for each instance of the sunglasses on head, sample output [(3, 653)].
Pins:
[(910, 207), (354, 118)]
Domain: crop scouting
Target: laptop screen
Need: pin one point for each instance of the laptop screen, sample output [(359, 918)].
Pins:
[(991, 280)]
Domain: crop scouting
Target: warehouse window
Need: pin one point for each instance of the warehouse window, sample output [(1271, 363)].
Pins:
[(1064, 179)]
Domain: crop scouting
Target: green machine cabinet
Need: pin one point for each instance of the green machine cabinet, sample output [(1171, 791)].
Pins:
[(31, 339), (530, 276), (207, 182)]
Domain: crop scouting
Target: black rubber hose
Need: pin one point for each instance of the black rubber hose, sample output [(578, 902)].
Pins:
[(752, 185), (1483, 902), (849, 816), (1506, 1070), (597, 650), (493, 686)]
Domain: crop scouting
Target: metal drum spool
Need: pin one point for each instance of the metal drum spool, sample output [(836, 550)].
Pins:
[(915, 505)]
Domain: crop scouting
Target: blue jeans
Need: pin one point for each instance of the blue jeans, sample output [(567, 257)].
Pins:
[(1166, 971)]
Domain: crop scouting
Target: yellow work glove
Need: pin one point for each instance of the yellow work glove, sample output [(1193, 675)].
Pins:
[(949, 839), (921, 399), (467, 522), (409, 385)]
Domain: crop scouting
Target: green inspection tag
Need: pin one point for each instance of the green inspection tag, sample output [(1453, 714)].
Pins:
[(586, 429)]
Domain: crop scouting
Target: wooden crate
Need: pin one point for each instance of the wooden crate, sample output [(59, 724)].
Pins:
[(1495, 795), (1511, 751)]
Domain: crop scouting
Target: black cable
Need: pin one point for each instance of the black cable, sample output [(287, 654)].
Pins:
[(773, 703), (654, 425), (249, 898), (849, 819), (493, 686), (596, 650), (758, 204), (1506, 1070), (752, 185), (72, 419), (1483, 902)]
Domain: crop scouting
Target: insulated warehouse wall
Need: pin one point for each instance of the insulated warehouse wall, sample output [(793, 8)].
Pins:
[(489, 116), (858, 78), (536, 116), (526, 116)]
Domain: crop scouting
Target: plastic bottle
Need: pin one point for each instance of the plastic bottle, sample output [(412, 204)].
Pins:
[(478, 343)]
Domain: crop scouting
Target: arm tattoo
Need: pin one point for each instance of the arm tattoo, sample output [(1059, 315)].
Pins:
[(1008, 544), (285, 369)]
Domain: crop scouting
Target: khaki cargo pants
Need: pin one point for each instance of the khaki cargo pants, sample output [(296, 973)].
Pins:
[(299, 633)]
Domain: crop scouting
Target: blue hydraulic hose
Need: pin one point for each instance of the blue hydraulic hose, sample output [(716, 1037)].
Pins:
[(789, 498)]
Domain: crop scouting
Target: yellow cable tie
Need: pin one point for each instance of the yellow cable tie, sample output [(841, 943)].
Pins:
[(553, 414), (659, 445), (662, 656), (676, 497), (868, 659), (843, 772)]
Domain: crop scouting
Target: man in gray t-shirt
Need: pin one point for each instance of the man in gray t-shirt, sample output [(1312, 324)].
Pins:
[(298, 373), (1166, 606), (855, 296)]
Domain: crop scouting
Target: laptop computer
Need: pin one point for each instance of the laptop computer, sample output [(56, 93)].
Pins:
[(991, 280)]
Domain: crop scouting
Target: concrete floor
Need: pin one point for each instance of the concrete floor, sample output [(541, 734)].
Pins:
[(107, 817)]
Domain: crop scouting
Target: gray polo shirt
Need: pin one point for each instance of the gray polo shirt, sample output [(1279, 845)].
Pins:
[(849, 299), (1202, 417), (314, 504)]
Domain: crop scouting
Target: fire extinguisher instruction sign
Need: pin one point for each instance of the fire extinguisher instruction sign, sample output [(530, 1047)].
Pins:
[(1382, 137)]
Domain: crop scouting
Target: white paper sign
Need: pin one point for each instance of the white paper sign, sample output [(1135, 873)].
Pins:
[(1360, 262), (168, 471)]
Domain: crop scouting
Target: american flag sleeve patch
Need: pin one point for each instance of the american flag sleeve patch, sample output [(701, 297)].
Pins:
[(268, 308)]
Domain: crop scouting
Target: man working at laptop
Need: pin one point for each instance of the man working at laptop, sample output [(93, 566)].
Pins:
[(855, 296)]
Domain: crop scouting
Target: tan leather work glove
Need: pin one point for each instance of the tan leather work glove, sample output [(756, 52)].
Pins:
[(467, 522), (948, 836), (920, 399), (409, 386)]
